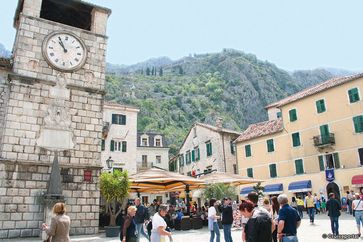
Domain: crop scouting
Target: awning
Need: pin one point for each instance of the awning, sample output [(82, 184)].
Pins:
[(300, 186), (273, 189), (357, 181), (244, 191)]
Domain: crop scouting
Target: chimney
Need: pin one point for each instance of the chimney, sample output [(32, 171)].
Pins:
[(219, 123)]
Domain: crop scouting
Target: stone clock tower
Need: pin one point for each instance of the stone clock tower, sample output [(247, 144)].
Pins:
[(54, 101)]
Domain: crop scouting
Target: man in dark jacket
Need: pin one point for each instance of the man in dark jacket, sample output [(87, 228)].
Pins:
[(333, 207), (141, 216), (227, 219)]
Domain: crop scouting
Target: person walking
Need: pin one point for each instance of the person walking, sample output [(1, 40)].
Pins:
[(141, 216), (158, 231), (333, 207), (358, 211), (259, 224), (323, 205), (300, 207), (129, 229), (59, 225), (227, 219), (310, 206), (212, 221), (289, 221)]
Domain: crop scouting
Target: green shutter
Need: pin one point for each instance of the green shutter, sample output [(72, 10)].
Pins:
[(250, 172), (270, 145), (295, 139), (299, 166), (353, 95), (193, 155), (124, 146), (324, 132), (273, 172), (103, 145), (209, 149), (293, 115), (320, 106), (232, 147), (112, 147), (248, 150), (321, 163), (336, 160), (198, 154), (279, 114), (358, 123)]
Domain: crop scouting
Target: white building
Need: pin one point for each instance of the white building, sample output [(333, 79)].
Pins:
[(207, 148), (119, 136)]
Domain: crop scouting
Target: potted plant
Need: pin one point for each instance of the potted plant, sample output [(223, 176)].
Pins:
[(114, 188)]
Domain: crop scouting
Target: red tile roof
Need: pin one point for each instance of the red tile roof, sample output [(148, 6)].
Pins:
[(261, 129), (315, 89)]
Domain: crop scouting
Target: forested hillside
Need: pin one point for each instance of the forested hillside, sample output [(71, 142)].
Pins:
[(172, 95)]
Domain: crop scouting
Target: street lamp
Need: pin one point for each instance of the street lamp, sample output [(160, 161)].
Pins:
[(109, 162)]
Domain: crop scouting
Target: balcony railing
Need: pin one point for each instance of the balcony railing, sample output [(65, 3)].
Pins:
[(324, 140), (144, 166)]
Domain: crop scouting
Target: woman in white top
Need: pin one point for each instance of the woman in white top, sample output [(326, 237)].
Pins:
[(212, 221), (358, 210), (158, 231)]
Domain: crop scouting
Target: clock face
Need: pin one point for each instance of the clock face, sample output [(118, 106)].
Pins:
[(64, 51)]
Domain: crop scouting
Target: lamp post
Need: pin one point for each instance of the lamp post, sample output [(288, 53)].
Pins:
[(109, 163)]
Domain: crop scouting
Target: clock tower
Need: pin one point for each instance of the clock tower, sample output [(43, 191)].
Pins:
[(56, 86)]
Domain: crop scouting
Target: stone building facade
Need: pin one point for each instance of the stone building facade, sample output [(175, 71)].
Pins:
[(24, 166), (207, 148)]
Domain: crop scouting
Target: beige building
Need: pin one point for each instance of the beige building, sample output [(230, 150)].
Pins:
[(313, 141), (119, 136), (207, 148)]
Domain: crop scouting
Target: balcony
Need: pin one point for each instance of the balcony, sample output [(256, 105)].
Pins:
[(142, 166), (322, 141)]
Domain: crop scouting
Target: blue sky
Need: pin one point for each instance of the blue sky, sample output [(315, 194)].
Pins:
[(291, 34)]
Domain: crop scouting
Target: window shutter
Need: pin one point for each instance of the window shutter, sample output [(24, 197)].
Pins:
[(270, 145), (248, 150), (124, 146), (210, 149), (320, 106), (193, 155), (358, 123), (353, 95), (112, 147), (293, 115), (324, 132), (198, 152), (103, 145), (273, 172), (299, 166), (321, 163), (337, 161), (250, 172), (296, 139)]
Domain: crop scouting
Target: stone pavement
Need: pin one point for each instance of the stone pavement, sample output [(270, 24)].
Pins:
[(306, 232)]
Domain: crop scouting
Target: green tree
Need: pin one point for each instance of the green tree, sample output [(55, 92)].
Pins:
[(161, 71), (114, 188), (219, 191), (148, 71), (181, 71), (259, 189)]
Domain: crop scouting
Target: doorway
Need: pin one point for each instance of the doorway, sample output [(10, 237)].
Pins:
[(333, 187)]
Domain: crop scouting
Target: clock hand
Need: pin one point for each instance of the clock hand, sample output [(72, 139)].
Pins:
[(61, 44)]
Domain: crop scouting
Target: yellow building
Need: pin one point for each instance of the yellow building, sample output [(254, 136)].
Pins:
[(313, 141)]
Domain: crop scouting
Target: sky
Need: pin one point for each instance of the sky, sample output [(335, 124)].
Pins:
[(294, 35)]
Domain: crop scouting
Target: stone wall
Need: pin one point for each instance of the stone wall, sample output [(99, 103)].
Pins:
[(4, 96)]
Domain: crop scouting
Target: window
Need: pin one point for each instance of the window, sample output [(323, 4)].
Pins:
[(112, 145), (193, 155), (360, 152), (119, 119), (181, 160), (103, 145), (279, 114), (188, 157), (144, 141), (273, 172), (144, 160), (353, 95), (158, 159), (293, 115), (324, 133), (320, 106), (321, 163), (299, 166), (197, 152), (157, 142), (332, 161), (248, 150), (124, 146), (209, 148), (250, 172), (232, 147), (358, 123), (270, 145), (296, 139)]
